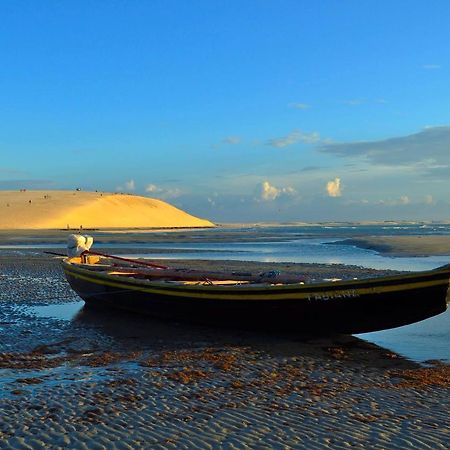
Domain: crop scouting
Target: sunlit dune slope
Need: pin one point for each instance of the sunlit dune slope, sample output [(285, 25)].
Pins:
[(62, 209)]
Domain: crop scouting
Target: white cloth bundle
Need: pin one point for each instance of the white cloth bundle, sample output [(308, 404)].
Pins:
[(78, 243)]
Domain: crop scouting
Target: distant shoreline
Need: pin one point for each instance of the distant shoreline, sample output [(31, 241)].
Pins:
[(402, 246), (392, 246), (333, 224)]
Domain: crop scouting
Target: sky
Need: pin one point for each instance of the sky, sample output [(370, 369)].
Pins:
[(235, 111)]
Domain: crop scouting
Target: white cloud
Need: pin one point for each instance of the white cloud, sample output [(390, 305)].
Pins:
[(354, 101), (299, 105), (232, 140), (401, 201), (431, 66), (268, 192), (162, 192), (429, 200), (295, 137), (172, 193), (128, 186), (334, 188), (364, 101), (363, 201)]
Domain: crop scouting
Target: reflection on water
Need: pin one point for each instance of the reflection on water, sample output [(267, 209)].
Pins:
[(315, 244), (135, 332), (320, 244), (65, 311), (419, 342), (298, 251)]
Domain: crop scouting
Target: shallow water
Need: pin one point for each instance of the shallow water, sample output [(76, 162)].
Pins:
[(64, 311), (300, 244), (325, 251), (420, 342)]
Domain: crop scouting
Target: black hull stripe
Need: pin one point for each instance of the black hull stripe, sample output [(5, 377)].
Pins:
[(316, 287), (275, 293)]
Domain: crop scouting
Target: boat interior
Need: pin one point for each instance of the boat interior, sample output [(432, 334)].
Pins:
[(145, 271)]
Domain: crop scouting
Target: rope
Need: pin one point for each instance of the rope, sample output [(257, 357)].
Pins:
[(133, 261), (128, 260)]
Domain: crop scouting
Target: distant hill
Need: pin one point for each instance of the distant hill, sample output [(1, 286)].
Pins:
[(72, 209)]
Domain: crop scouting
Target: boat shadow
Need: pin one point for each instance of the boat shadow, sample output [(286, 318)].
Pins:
[(133, 332)]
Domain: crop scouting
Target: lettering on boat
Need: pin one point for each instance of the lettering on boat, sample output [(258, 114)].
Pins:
[(324, 296)]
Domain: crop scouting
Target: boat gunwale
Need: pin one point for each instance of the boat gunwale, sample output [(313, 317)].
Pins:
[(406, 281)]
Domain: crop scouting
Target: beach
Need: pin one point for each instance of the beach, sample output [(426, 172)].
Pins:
[(73, 377), (387, 245), (225, 225)]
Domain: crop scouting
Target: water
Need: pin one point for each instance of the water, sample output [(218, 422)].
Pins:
[(64, 311), (300, 244), (425, 340), (306, 250), (422, 341), (308, 244)]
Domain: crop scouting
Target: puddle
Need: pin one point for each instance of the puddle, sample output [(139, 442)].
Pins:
[(66, 311), (419, 341)]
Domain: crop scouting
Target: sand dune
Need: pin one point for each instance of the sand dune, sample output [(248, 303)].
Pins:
[(62, 209)]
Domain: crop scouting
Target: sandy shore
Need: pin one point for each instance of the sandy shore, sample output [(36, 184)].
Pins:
[(105, 381), (404, 245), (386, 245), (138, 236)]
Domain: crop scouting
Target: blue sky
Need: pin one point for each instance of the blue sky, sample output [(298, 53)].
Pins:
[(232, 110)]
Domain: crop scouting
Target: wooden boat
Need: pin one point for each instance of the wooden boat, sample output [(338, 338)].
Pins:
[(269, 302)]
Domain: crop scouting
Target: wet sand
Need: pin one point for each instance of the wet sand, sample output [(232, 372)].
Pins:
[(106, 380), (133, 236), (396, 246), (404, 245)]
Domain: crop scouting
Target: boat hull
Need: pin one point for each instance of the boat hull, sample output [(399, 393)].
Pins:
[(342, 307)]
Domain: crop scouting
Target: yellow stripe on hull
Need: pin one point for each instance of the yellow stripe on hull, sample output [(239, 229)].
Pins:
[(211, 293)]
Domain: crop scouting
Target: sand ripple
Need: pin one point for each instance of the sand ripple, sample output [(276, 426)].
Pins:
[(98, 382)]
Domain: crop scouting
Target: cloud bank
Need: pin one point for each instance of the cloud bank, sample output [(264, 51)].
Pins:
[(429, 149), (295, 137)]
